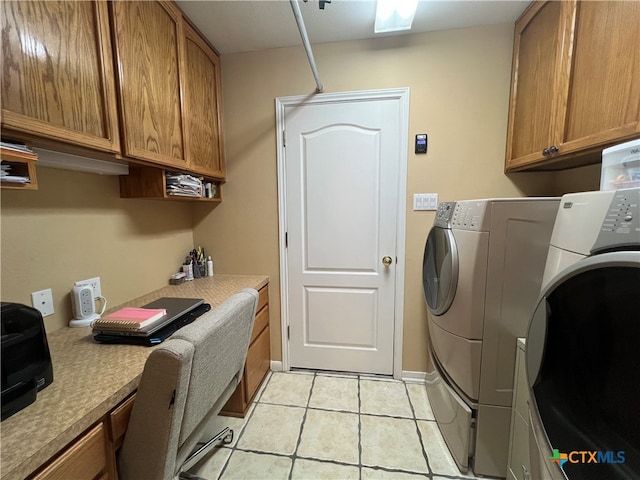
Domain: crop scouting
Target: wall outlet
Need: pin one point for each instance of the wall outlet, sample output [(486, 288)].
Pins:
[(43, 301), (94, 283)]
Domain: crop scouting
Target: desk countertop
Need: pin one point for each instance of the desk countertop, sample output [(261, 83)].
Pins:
[(89, 380)]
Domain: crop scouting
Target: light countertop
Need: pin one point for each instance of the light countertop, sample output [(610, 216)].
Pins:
[(89, 380)]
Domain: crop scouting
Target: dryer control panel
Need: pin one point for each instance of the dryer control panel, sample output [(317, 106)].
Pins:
[(621, 225)]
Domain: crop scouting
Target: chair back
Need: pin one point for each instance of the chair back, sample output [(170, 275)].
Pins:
[(186, 381)]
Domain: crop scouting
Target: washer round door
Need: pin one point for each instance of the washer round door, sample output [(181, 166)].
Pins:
[(440, 270), (582, 368)]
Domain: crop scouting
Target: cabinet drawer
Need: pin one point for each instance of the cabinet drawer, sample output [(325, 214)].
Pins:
[(86, 458), (262, 320), (263, 297), (258, 363), (119, 420)]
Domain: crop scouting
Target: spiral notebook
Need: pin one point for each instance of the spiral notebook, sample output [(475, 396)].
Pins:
[(131, 318), (175, 307)]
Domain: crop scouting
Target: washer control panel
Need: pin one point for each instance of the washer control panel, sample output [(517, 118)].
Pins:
[(621, 225)]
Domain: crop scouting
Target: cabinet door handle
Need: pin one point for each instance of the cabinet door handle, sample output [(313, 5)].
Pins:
[(546, 152), (525, 473), (553, 149)]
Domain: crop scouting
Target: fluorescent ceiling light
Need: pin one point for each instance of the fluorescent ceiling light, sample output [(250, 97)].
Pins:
[(47, 158), (394, 15)]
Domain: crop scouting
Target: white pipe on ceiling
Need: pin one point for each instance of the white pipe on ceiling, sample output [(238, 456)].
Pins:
[(305, 41)]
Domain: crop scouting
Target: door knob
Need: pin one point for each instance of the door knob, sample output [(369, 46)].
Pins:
[(386, 261)]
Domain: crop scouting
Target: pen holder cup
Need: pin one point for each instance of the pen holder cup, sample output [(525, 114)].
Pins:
[(199, 270)]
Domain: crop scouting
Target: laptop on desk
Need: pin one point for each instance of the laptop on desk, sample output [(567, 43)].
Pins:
[(180, 312)]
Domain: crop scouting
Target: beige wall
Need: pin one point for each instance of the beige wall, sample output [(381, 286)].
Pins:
[(459, 82), (76, 226), (581, 179)]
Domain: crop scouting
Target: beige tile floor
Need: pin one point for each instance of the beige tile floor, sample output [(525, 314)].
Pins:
[(307, 425)]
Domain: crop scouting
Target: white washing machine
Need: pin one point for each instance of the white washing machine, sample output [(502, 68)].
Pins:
[(583, 340), (482, 269)]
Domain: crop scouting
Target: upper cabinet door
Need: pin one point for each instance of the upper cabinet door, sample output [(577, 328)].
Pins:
[(575, 86), (149, 44), (604, 100), (539, 70), (57, 72), (204, 106)]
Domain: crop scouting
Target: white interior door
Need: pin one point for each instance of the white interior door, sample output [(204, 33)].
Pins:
[(342, 175)]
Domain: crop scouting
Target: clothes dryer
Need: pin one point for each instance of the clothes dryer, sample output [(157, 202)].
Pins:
[(582, 361), (482, 268)]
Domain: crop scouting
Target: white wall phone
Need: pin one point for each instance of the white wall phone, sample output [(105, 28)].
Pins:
[(84, 306)]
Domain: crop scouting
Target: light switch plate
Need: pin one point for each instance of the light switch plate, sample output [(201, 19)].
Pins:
[(425, 201), (43, 301)]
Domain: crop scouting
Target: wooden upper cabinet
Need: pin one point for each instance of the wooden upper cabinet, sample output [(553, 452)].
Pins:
[(57, 72), (149, 45), (538, 58), (575, 86), (204, 106), (604, 100)]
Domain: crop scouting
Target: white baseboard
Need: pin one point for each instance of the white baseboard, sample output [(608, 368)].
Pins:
[(414, 377), (276, 366)]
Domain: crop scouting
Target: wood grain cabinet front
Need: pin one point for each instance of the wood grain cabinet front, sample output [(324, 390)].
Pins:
[(57, 73), (204, 107), (132, 81), (574, 87), (149, 46), (258, 361), (87, 458)]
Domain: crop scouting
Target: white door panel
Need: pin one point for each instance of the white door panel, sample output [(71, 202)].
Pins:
[(342, 163), (333, 158), (340, 317)]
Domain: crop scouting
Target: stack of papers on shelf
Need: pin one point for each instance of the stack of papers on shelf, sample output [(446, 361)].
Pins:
[(18, 147), (5, 175), (184, 185)]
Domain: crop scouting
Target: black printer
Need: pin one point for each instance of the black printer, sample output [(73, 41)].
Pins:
[(26, 362)]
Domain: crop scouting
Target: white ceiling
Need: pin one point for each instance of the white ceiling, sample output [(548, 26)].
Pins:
[(247, 25)]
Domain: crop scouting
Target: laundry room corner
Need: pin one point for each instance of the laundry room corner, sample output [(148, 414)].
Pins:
[(444, 71)]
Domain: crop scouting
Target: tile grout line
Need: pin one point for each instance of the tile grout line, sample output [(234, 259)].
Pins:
[(293, 457), (244, 426), (415, 422)]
